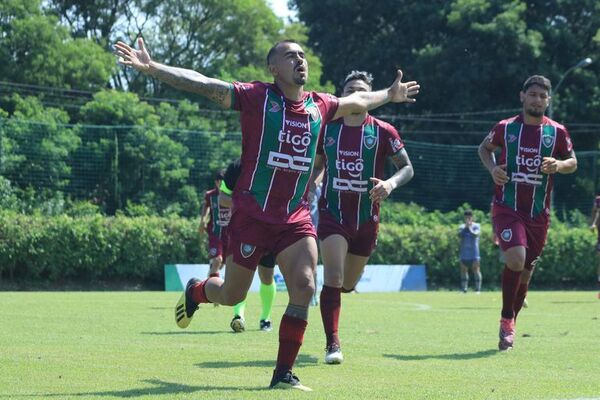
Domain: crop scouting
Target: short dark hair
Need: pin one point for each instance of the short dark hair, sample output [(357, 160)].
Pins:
[(539, 80), (273, 49), (468, 213), (359, 76), (219, 175)]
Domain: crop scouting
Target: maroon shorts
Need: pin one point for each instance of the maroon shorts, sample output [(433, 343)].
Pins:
[(250, 238), (217, 244), (515, 229), (361, 241)]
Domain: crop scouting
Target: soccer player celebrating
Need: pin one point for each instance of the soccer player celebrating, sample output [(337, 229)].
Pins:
[(280, 124), (214, 221), (352, 152), (595, 224), (533, 148)]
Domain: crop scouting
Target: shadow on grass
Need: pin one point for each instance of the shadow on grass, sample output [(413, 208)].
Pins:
[(302, 360), (186, 333), (575, 302), (456, 356), (159, 388)]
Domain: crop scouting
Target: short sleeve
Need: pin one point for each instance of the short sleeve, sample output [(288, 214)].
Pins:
[(496, 135), (248, 96), (393, 141), (564, 146), (328, 105)]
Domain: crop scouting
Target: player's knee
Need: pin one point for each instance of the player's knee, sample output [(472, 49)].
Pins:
[(231, 299)]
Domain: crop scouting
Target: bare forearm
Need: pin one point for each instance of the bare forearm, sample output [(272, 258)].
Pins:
[(402, 176), (188, 80), (567, 166), (487, 157), (370, 100)]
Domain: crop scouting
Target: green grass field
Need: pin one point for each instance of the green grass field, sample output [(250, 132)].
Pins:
[(428, 345)]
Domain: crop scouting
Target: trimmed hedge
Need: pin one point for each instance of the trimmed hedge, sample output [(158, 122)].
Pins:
[(93, 249)]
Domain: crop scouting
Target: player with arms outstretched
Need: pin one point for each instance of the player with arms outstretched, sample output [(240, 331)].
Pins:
[(280, 123), (533, 148)]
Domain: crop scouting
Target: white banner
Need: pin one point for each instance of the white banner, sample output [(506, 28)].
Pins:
[(375, 278)]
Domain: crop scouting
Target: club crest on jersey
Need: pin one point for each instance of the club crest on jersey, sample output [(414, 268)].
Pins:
[(247, 250), (212, 252), (506, 235), (369, 141), (512, 138), (313, 113), (548, 141), (275, 107), (330, 142)]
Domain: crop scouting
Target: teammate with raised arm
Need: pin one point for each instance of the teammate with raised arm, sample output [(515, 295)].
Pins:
[(280, 124), (533, 148), (352, 153)]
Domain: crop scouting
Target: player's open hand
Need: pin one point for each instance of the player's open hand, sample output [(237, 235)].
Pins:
[(380, 191), (136, 59), (403, 92), (499, 175), (550, 165)]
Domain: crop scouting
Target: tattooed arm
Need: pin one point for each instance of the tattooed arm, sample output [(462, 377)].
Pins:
[(215, 90), (405, 172)]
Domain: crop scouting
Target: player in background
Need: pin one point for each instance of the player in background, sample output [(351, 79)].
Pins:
[(280, 124), (595, 224), (533, 148), (265, 268), (351, 154), (214, 220), (314, 216), (469, 252)]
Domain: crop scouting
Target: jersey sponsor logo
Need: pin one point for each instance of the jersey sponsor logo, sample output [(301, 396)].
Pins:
[(349, 153), (224, 217), (548, 141), (275, 107), (296, 124), (528, 179), (396, 145), (330, 142), (369, 141), (247, 249), (532, 164), (350, 185), (506, 235), (375, 219), (288, 162), (354, 168), (299, 142), (212, 252), (530, 150)]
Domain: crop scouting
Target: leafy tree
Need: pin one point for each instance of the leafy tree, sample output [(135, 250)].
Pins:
[(37, 154)]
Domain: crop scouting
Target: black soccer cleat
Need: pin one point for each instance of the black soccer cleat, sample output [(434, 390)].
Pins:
[(287, 380), (265, 325), (186, 306)]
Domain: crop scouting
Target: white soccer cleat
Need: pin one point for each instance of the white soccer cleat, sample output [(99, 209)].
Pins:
[(333, 354)]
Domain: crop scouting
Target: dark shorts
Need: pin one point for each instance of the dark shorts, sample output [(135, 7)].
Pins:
[(217, 245), (514, 229), (469, 263), (250, 239), (267, 261), (361, 241)]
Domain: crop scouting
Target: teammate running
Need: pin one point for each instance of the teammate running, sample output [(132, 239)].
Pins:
[(266, 264), (533, 149), (280, 123), (214, 220), (352, 152)]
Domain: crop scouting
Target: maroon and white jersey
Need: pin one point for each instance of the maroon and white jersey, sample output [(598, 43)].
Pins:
[(219, 215), (279, 140), (523, 150), (352, 155)]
